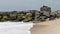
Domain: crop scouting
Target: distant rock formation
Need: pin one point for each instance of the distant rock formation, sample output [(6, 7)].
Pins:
[(30, 15)]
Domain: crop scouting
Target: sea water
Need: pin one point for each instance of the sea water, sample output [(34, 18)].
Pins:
[(15, 27)]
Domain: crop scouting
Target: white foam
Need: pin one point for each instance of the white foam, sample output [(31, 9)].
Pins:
[(15, 27)]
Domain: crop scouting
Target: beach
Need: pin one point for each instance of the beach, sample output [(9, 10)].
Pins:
[(47, 27)]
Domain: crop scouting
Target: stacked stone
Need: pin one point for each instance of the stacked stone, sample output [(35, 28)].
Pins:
[(30, 15)]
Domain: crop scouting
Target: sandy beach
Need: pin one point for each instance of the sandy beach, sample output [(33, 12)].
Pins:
[(47, 27)]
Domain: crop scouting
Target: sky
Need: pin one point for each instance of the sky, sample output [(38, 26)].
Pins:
[(10, 5)]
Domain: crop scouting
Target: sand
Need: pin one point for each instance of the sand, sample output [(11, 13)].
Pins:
[(47, 27)]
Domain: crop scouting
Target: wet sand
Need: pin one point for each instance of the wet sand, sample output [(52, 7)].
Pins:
[(47, 27)]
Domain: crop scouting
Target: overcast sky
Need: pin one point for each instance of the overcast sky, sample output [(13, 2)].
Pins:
[(6, 5)]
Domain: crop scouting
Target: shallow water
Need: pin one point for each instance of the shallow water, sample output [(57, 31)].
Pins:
[(15, 28)]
